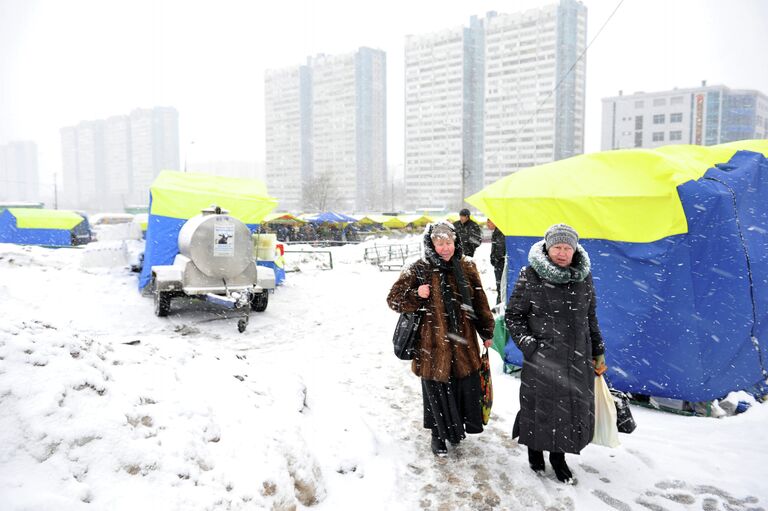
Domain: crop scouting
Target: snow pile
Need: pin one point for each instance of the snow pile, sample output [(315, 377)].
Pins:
[(115, 416), (111, 254)]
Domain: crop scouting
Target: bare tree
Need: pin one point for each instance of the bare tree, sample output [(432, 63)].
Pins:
[(317, 192)]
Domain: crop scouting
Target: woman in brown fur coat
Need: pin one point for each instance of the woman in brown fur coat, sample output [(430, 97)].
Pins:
[(447, 287)]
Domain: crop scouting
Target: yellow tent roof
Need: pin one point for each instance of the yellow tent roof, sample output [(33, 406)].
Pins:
[(417, 220), (184, 194), (283, 218), (623, 195), (366, 219), (30, 218), (390, 221)]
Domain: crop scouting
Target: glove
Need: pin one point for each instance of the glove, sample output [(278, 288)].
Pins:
[(600, 366)]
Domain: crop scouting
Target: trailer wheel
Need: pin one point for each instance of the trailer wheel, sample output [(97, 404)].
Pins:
[(162, 303), (259, 301)]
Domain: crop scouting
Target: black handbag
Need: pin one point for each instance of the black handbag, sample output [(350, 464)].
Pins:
[(406, 337), (624, 420)]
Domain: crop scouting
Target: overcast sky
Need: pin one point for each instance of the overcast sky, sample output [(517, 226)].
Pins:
[(62, 62)]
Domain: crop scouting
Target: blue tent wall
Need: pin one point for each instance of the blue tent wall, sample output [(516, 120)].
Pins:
[(678, 315), (745, 177), (161, 246), (10, 233)]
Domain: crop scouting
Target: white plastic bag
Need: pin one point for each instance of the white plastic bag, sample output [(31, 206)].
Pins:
[(606, 431)]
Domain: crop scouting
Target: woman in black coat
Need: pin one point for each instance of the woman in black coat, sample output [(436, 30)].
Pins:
[(551, 318)]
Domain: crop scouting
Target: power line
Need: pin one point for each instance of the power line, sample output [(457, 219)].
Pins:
[(567, 73)]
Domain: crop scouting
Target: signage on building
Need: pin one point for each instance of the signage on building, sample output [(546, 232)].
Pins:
[(699, 117)]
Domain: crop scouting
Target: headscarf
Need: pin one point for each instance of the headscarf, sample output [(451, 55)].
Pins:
[(452, 306)]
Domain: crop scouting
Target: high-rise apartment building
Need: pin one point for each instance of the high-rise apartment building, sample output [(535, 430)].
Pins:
[(114, 161), (69, 166), (118, 158), (154, 147), (504, 93), (438, 118), (326, 132), (287, 103), (19, 179), (90, 187), (705, 115)]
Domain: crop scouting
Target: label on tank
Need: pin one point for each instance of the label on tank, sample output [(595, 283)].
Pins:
[(223, 240)]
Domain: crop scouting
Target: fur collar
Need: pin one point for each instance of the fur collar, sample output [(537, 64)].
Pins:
[(548, 270)]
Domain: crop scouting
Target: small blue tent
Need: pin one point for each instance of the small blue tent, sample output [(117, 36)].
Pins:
[(175, 197), (332, 217), (29, 226), (678, 239)]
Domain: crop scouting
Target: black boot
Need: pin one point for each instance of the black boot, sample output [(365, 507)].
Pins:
[(536, 460), (438, 446), (563, 473)]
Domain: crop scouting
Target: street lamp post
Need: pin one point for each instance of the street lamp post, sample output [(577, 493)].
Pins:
[(392, 190), (186, 153), (464, 175)]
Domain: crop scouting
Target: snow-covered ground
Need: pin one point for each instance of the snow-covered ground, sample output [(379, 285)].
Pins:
[(104, 406)]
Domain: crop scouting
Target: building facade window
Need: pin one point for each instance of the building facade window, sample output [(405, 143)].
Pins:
[(639, 104), (675, 135), (658, 136), (638, 139), (676, 100), (660, 102), (658, 118), (676, 117), (638, 122)]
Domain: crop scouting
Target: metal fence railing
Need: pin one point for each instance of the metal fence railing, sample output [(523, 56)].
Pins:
[(391, 256)]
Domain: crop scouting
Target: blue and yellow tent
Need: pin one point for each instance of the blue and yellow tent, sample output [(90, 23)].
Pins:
[(175, 197), (678, 239), (48, 227)]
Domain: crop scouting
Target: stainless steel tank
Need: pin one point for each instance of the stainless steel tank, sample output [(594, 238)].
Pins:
[(220, 245)]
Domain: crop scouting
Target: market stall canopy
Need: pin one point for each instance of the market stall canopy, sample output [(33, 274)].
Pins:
[(183, 195), (622, 195), (28, 218), (283, 219), (416, 220), (678, 244), (176, 197), (331, 217), (389, 221), (29, 226)]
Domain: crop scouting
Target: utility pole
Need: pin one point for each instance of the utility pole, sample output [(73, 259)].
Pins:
[(392, 191), (186, 153), (55, 192), (464, 175)]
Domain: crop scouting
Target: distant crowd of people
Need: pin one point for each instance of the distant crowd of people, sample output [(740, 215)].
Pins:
[(311, 233), (469, 231)]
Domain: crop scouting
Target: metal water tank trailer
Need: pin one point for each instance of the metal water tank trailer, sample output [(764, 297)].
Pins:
[(215, 263), (220, 245)]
